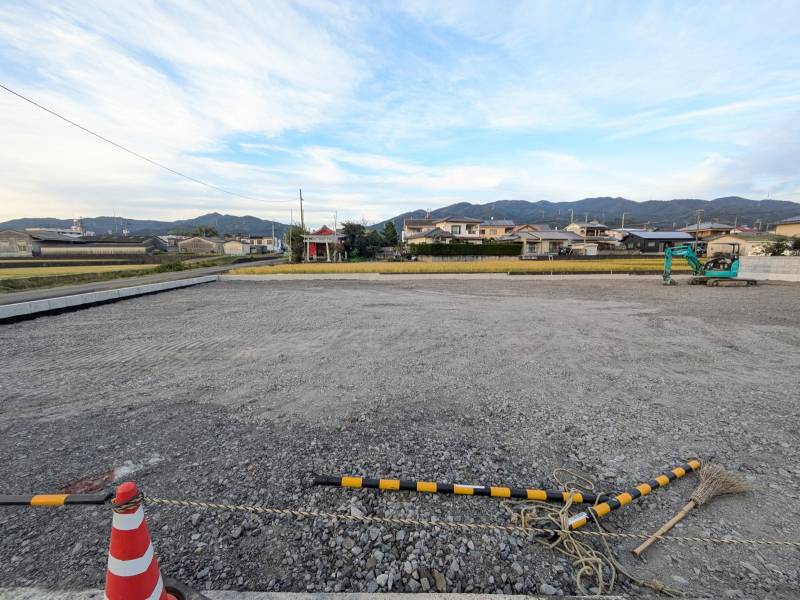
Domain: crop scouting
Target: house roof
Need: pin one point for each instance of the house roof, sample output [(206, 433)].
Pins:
[(589, 224), (431, 233), (749, 237), (706, 225), (789, 221), (419, 222), (498, 223), (536, 236), (204, 239), (51, 236), (458, 220), (116, 239), (534, 226), (661, 235)]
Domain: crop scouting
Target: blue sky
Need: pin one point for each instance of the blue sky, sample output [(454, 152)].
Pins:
[(375, 108)]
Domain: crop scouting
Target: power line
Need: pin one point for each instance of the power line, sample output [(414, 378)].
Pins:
[(133, 152)]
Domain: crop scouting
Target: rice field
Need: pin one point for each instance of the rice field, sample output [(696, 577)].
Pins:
[(488, 266), (27, 272)]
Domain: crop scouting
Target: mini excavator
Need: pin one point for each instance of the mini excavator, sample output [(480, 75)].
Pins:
[(720, 270)]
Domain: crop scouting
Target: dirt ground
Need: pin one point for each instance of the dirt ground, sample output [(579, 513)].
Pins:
[(240, 391)]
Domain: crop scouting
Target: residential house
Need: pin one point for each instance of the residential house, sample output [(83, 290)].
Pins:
[(591, 231), (15, 244), (654, 242), (707, 229), (429, 236), (262, 243), (236, 248), (530, 227), (463, 229), (202, 245), (594, 235), (789, 227), (621, 233), (414, 226), (494, 228), (749, 244), (541, 243)]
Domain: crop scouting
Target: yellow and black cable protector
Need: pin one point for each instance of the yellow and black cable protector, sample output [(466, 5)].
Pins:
[(54, 499), (461, 489), (601, 510)]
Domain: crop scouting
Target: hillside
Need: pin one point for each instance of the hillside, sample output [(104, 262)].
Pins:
[(101, 225), (664, 214)]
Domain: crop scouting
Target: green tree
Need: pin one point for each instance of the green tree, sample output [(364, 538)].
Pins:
[(777, 248), (204, 231), (373, 242), (294, 241), (354, 242), (390, 234), (796, 245)]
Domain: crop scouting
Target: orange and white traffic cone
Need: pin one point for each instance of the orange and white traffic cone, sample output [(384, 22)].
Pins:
[(133, 572)]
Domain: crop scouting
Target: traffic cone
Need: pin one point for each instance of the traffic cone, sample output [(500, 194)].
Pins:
[(133, 572)]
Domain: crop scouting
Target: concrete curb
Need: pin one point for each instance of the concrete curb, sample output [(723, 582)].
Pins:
[(35, 308), (428, 276)]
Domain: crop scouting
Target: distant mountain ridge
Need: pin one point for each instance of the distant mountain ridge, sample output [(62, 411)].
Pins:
[(101, 225), (664, 214)]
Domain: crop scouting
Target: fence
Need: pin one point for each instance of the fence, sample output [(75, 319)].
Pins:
[(775, 268)]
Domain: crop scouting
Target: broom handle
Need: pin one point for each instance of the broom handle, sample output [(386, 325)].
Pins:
[(664, 528)]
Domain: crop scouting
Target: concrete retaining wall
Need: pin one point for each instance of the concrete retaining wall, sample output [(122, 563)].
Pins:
[(24, 310), (776, 268)]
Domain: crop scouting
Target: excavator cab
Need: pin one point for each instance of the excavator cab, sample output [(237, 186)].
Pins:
[(724, 261)]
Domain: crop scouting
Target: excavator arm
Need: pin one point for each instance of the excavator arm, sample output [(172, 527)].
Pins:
[(685, 251)]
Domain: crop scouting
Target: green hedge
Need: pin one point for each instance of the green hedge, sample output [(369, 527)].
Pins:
[(466, 249)]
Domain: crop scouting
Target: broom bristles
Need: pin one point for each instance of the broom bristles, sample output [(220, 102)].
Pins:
[(716, 481)]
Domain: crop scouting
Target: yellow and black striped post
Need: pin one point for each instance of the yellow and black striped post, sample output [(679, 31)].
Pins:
[(601, 510), (55, 499), (461, 489)]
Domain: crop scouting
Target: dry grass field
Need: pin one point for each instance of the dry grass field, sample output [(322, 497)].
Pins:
[(26, 272), (487, 266)]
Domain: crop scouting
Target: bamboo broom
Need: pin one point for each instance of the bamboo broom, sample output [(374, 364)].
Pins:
[(714, 481)]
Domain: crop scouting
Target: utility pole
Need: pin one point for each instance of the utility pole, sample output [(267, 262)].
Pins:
[(302, 216), (273, 237), (570, 215), (335, 239), (302, 224), (622, 226)]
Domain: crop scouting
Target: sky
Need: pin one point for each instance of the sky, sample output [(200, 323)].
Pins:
[(376, 108)]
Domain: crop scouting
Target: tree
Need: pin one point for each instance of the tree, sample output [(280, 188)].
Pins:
[(294, 241), (373, 242), (204, 231), (390, 234), (776, 248), (354, 241), (796, 245)]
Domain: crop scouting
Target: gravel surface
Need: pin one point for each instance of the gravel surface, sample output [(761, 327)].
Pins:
[(238, 392)]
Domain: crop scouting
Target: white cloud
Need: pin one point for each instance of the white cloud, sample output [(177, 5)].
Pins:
[(377, 108)]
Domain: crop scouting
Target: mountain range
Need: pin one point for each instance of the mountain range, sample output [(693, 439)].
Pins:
[(103, 225), (662, 214)]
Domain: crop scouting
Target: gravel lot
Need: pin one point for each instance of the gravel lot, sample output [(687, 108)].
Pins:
[(239, 391)]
